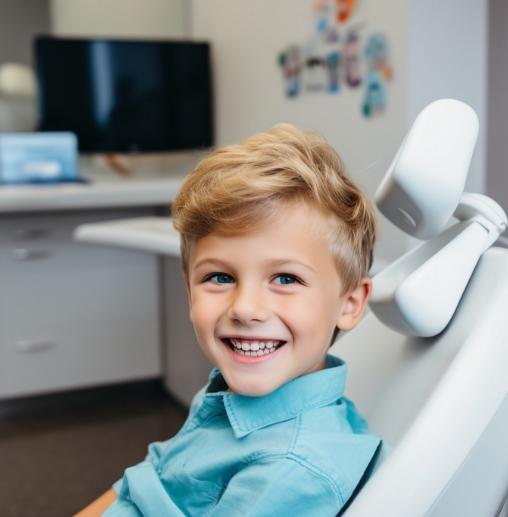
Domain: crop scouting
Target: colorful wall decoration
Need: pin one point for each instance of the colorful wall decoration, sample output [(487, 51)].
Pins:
[(339, 55)]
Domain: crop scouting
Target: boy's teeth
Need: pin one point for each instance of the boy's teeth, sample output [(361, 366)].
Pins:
[(253, 345), (254, 348)]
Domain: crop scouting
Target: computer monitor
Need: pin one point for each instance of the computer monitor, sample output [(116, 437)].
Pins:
[(126, 96)]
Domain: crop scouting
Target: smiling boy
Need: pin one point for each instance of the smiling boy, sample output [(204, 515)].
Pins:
[(276, 244), (265, 304)]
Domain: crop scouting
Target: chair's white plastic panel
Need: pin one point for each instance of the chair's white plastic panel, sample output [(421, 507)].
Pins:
[(441, 402), (504, 511), (150, 234)]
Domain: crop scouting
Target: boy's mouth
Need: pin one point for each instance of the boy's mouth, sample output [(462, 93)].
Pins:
[(253, 347)]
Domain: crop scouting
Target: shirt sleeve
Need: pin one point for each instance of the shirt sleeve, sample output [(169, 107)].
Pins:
[(143, 495), (279, 487), (273, 487), (156, 449)]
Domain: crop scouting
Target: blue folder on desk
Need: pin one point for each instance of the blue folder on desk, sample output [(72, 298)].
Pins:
[(38, 158)]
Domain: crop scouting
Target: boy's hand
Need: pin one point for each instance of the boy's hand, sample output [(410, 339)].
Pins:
[(99, 506)]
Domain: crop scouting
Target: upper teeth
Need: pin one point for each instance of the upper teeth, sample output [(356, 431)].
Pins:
[(253, 345)]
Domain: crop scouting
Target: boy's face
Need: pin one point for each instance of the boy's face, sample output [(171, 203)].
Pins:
[(265, 304)]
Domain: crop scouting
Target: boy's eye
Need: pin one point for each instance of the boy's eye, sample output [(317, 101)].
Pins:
[(220, 278), (285, 279)]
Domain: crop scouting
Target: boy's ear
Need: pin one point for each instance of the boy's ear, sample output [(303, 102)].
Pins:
[(354, 304), (187, 286)]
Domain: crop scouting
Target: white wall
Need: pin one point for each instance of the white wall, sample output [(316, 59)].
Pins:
[(119, 18), (497, 134), (20, 22), (438, 50), (248, 35), (447, 52)]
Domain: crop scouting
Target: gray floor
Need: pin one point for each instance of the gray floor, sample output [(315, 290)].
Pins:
[(59, 453)]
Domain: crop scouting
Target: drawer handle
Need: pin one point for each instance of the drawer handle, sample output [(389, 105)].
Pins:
[(22, 254), (32, 233), (39, 345)]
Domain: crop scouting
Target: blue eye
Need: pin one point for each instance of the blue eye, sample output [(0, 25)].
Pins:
[(286, 279), (220, 278)]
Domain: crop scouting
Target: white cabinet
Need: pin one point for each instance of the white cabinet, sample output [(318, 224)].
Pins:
[(73, 315)]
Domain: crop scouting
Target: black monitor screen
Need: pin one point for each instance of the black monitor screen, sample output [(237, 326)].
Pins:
[(126, 96)]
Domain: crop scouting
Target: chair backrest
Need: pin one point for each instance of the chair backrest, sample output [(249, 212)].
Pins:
[(441, 403)]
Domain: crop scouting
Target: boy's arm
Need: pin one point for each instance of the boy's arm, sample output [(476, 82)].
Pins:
[(279, 487), (99, 506), (271, 487)]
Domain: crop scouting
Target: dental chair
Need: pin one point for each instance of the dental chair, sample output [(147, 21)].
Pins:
[(428, 364)]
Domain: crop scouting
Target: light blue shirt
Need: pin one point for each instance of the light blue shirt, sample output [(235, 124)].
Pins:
[(300, 450)]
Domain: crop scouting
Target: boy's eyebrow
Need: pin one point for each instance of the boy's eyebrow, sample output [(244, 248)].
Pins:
[(285, 262), (217, 262), (269, 262)]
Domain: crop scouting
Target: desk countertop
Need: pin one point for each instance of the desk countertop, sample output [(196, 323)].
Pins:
[(155, 182), (32, 198)]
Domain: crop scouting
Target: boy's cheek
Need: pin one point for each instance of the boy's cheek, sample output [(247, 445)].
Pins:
[(203, 311), (204, 319), (197, 306), (203, 339), (313, 313)]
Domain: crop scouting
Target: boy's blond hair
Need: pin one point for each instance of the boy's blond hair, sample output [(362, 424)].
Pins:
[(237, 188)]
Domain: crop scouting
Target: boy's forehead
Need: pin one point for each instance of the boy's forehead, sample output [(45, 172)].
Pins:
[(292, 230), (298, 221)]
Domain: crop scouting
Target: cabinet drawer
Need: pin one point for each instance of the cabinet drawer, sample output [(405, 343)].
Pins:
[(76, 315), (80, 356)]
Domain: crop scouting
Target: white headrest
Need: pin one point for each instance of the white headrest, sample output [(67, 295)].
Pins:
[(417, 295)]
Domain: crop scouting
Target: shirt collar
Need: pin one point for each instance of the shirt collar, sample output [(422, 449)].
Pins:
[(247, 414)]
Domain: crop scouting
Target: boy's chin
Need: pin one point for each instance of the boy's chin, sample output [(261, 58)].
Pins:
[(254, 388)]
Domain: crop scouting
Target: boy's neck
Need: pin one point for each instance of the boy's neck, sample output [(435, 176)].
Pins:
[(320, 365)]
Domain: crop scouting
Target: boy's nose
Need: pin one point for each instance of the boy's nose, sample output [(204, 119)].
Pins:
[(248, 305)]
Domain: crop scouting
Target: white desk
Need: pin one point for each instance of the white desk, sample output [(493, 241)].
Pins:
[(154, 181), (29, 198), (73, 315)]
